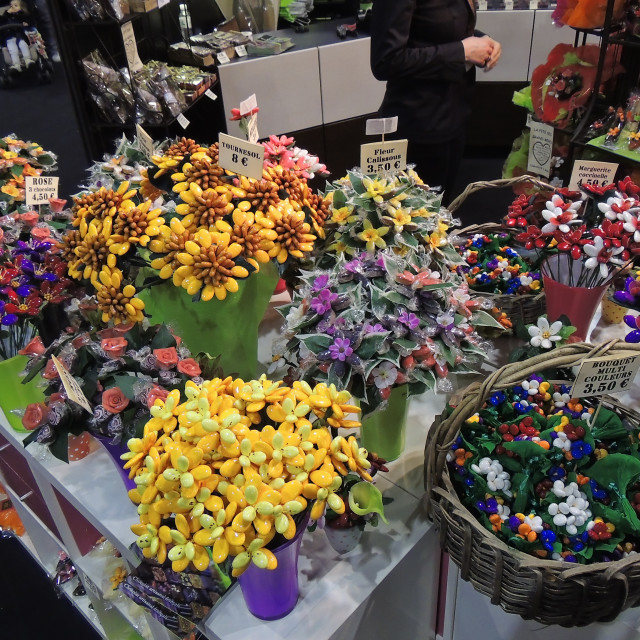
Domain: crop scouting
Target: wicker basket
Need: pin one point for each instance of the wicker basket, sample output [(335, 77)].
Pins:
[(526, 308), (545, 590)]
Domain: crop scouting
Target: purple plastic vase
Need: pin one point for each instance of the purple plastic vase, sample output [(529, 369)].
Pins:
[(115, 451), (271, 595)]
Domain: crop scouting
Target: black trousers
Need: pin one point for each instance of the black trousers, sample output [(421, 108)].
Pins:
[(438, 163)]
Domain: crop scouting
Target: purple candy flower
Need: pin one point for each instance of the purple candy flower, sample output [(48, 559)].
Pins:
[(354, 265), (320, 283), (341, 349), (322, 302), (410, 320), (374, 328)]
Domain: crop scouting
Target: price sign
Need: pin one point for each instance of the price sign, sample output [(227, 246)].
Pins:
[(248, 105), (145, 141), (131, 48), (591, 172), (223, 58), (383, 157), (598, 376), (508, 5), (184, 123), (210, 94), (533, 4), (540, 147), (380, 126), (241, 50), (240, 156), (74, 392), (482, 5), (40, 188)]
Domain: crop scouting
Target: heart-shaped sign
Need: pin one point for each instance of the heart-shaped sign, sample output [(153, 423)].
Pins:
[(542, 152)]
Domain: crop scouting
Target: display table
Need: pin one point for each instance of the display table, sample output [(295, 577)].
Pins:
[(389, 586)]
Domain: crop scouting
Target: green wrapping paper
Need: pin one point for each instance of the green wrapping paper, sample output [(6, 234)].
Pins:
[(228, 327), (14, 394), (383, 432)]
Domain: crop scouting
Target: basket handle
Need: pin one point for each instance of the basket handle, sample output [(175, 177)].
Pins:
[(496, 184)]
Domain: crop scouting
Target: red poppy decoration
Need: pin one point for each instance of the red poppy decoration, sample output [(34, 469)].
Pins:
[(565, 82)]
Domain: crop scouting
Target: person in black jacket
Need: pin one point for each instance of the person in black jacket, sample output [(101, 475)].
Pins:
[(427, 51)]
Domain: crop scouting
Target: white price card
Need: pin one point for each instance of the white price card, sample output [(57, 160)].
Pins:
[(483, 5), (74, 392), (131, 48), (145, 141), (210, 94), (223, 58), (598, 376), (182, 120), (240, 156), (383, 157), (592, 172), (540, 148), (533, 4), (241, 50), (380, 126), (248, 105), (40, 188), (508, 5)]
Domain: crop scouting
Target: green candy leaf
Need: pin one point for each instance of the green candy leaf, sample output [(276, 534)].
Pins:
[(365, 498)]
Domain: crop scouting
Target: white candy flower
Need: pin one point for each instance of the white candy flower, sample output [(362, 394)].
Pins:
[(560, 399), (559, 216), (600, 256), (632, 225), (562, 442), (615, 207), (543, 335)]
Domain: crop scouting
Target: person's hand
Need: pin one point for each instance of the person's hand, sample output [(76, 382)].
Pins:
[(478, 51), (495, 53)]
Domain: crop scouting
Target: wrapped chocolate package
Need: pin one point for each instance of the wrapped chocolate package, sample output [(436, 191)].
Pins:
[(179, 601)]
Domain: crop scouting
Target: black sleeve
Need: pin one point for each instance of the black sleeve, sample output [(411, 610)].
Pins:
[(391, 58)]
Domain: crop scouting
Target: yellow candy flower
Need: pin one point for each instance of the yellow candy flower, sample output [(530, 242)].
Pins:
[(373, 237), (377, 188)]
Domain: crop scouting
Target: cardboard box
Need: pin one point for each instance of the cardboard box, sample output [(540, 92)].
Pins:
[(142, 6)]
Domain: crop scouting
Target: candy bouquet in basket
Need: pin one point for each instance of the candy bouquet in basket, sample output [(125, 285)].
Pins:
[(627, 297), (495, 268), (233, 475), (111, 377), (540, 472)]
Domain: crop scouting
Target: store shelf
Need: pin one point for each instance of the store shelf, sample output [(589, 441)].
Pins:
[(91, 485), (598, 143), (95, 569), (43, 546)]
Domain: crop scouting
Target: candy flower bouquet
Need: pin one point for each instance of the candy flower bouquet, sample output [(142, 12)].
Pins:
[(236, 471), (121, 371), (375, 324)]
